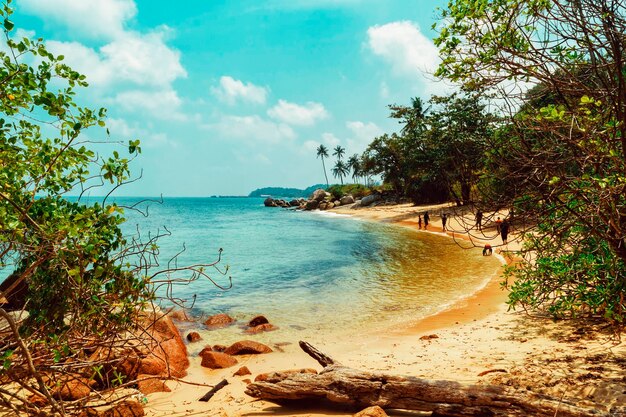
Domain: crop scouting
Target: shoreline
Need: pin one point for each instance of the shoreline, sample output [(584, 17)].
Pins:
[(471, 336)]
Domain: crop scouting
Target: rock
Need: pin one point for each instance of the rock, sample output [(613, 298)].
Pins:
[(193, 336), (167, 350), (346, 199), (247, 347), (318, 195), (337, 203), (330, 205), (148, 386), (246, 381), (429, 337), (242, 371), (217, 360), (269, 202), (311, 205), (257, 321), (115, 361), (374, 411), (124, 409), (38, 400), (367, 200), (356, 205), (72, 388), (294, 203), (264, 377), (219, 348), (205, 350), (219, 320), (267, 327), (322, 205), (152, 365), (180, 315)]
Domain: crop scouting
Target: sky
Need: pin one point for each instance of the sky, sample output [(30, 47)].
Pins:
[(228, 96)]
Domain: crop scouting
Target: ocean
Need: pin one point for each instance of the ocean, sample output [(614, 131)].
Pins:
[(308, 272)]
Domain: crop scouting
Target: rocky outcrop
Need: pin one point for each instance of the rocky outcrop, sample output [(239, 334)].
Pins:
[(319, 195), (367, 200), (193, 337), (346, 199), (257, 321), (122, 409), (148, 385), (217, 360), (374, 411), (311, 205), (219, 320), (247, 347), (167, 351), (269, 202)]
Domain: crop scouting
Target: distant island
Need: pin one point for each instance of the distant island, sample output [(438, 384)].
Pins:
[(285, 192)]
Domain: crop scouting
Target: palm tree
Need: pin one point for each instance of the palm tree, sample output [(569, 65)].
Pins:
[(322, 152), (339, 152), (354, 163), (340, 170)]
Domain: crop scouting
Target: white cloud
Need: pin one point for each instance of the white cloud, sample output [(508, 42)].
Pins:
[(101, 19), (384, 90), (121, 130), (363, 134), (231, 90), (139, 59), (330, 139), (163, 104), (252, 129), (295, 114)]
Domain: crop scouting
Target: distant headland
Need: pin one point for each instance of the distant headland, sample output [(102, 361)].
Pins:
[(285, 192)]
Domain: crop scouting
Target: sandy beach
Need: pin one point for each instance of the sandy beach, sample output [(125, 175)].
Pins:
[(572, 360)]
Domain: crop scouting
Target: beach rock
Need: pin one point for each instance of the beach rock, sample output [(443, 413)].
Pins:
[(330, 205), (266, 327), (115, 361), (294, 203), (429, 337), (356, 205), (247, 347), (72, 387), (368, 200), (219, 348), (282, 374), (269, 202), (374, 411), (323, 205), (217, 360), (193, 336), (151, 385), (257, 321), (311, 205), (346, 199), (124, 409), (319, 195), (242, 371), (38, 400), (153, 365), (205, 350), (180, 315), (219, 320)]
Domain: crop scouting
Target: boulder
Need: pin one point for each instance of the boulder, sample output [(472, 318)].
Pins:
[(219, 348), (150, 385), (205, 350), (346, 199), (265, 327), (180, 315), (356, 205), (242, 371), (269, 202), (247, 347), (193, 337), (337, 203), (294, 203), (322, 205), (257, 321), (330, 205), (219, 320), (124, 409), (115, 361), (217, 360), (311, 205), (367, 200), (167, 351), (72, 388), (374, 411), (319, 195)]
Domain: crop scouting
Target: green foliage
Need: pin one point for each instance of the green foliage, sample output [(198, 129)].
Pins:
[(68, 253), (355, 190)]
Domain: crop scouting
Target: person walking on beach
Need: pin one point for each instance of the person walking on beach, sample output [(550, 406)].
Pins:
[(487, 251), (426, 219), (498, 225), (479, 220), (444, 220), (504, 231), (419, 221)]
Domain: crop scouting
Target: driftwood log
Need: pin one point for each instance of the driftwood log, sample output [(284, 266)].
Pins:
[(343, 385)]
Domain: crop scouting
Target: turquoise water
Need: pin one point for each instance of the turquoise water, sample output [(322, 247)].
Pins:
[(311, 271)]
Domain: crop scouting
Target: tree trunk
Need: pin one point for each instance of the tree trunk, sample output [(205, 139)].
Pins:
[(361, 389)]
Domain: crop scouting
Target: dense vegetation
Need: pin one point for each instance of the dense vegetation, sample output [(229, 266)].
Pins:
[(285, 192), (82, 283), (553, 151)]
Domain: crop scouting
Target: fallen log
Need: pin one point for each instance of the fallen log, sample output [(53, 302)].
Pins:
[(343, 385), (206, 397)]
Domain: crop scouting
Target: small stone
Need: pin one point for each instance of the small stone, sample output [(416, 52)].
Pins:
[(374, 411), (193, 336), (242, 371), (151, 385), (180, 315), (247, 347), (217, 360), (258, 320), (429, 337), (219, 320), (219, 348), (267, 327)]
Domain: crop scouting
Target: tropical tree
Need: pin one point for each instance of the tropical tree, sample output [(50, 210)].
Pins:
[(340, 170), (354, 163), (322, 152), (562, 154), (339, 151)]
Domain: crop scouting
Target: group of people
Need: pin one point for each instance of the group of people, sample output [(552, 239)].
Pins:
[(444, 219)]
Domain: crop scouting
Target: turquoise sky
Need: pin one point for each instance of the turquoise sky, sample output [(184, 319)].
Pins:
[(228, 96)]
